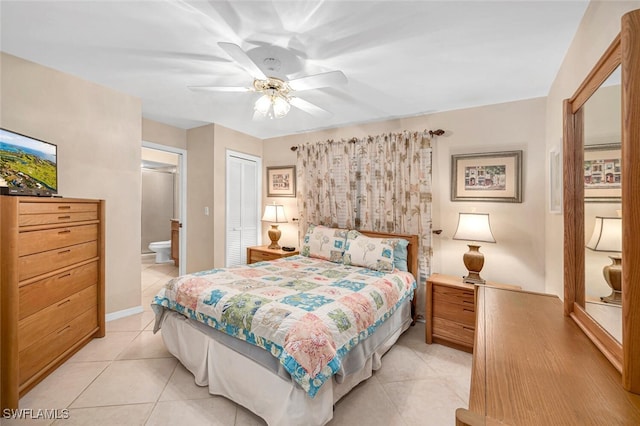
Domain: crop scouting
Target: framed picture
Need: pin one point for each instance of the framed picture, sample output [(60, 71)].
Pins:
[(602, 173), (555, 181), (281, 181), (495, 176)]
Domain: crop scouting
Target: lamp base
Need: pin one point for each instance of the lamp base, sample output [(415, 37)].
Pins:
[(274, 236), (613, 276), (474, 261)]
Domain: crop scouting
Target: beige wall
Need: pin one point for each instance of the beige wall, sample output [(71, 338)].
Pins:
[(518, 256), (163, 134), (599, 26), (98, 133)]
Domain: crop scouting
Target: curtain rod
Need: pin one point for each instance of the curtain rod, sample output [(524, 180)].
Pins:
[(437, 132)]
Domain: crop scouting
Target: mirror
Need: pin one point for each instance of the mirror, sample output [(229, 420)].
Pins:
[(587, 126), (602, 135)]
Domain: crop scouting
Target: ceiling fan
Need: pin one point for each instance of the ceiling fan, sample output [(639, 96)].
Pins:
[(277, 93)]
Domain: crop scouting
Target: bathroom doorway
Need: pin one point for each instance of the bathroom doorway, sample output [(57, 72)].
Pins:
[(163, 211)]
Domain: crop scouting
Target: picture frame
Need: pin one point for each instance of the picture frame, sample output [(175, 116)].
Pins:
[(603, 173), (492, 177), (555, 181), (281, 181)]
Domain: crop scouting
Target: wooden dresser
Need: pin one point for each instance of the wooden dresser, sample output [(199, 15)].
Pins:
[(263, 253), (52, 271), (534, 366)]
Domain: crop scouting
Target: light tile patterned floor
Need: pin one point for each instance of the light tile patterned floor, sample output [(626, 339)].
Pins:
[(129, 378)]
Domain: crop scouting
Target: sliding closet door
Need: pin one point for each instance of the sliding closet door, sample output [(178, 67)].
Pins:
[(243, 206)]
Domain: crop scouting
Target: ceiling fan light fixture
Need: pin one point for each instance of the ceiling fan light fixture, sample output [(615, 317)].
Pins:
[(281, 106), (263, 104)]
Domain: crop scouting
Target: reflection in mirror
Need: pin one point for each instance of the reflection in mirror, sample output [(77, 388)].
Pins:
[(602, 209)]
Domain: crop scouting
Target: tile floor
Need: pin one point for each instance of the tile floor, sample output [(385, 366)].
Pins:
[(129, 378)]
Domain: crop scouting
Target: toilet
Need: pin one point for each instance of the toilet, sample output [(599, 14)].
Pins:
[(162, 250)]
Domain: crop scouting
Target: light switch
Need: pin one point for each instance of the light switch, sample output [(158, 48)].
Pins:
[(206, 211)]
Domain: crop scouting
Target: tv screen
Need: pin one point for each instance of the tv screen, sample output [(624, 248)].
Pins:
[(28, 166)]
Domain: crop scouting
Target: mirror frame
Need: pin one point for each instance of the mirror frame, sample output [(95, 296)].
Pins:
[(624, 51)]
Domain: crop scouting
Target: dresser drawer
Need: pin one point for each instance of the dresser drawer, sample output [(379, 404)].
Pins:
[(40, 263), (55, 316), (453, 331), (56, 218), (459, 296), (39, 208), (50, 239), (36, 356), (40, 294), (463, 314)]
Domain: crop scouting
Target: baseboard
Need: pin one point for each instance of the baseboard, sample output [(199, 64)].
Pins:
[(124, 313)]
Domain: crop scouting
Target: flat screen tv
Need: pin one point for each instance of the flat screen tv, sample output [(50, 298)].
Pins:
[(28, 166)]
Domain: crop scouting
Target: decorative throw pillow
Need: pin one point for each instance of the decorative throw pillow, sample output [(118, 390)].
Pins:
[(324, 243), (372, 253), (400, 255)]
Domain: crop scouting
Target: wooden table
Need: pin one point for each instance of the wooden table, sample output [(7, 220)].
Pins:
[(534, 366)]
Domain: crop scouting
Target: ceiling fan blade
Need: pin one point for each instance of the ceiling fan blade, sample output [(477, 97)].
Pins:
[(220, 88), (242, 59), (316, 81), (309, 108)]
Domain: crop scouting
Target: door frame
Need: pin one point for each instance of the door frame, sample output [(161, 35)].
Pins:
[(231, 153), (182, 164)]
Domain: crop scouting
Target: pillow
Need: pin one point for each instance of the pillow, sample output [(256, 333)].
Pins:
[(372, 253), (324, 243), (400, 255)]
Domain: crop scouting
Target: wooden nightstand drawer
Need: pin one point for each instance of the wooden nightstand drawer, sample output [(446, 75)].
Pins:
[(260, 256), (62, 207), (264, 253), (465, 315), (458, 296), (454, 331)]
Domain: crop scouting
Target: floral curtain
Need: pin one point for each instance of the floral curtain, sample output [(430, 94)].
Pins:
[(380, 183)]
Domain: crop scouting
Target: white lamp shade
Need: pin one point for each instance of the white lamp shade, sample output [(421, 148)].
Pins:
[(274, 213), (263, 104), (474, 227), (607, 234), (280, 107)]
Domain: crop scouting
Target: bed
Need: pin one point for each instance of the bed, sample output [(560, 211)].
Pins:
[(288, 338)]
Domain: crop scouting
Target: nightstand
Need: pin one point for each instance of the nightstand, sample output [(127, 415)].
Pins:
[(451, 311), (262, 253)]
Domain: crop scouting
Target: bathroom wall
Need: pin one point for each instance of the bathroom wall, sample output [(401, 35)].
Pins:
[(160, 201), (157, 206)]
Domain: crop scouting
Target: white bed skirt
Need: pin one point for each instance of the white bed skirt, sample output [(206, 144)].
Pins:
[(278, 401)]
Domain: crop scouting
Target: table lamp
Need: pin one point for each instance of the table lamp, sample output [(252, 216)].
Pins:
[(274, 213), (607, 237), (474, 227)]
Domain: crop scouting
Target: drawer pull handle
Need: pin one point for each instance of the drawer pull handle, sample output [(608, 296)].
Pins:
[(64, 252), (66, 301), (64, 207), (66, 231), (64, 276), (64, 329), (468, 328), (468, 310), (64, 217)]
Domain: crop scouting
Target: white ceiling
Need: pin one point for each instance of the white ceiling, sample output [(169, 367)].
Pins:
[(400, 58)]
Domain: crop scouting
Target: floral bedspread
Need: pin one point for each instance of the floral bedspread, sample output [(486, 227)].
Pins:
[(307, 312)]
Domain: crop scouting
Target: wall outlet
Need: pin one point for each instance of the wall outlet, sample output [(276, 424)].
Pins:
[(206, 211)]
